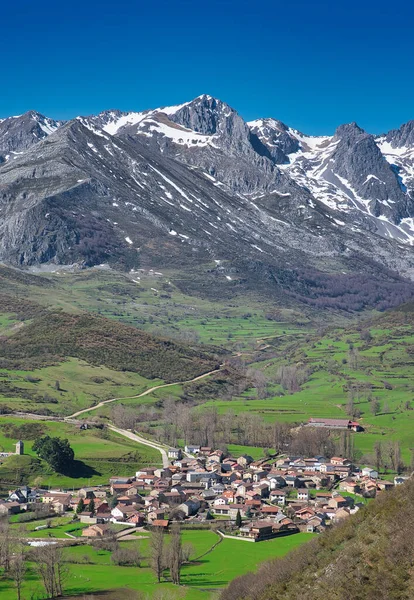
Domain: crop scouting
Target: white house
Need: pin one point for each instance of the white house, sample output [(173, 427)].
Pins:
[(220, 501), (278, 496), (191, 449), (303, 494), (367, 472), (175, 453)]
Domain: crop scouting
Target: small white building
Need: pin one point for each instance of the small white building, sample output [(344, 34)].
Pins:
[(303, 494), (368, 472), (175, 453), (191, 449)]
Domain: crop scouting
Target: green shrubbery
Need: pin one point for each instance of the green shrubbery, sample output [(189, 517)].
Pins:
[(56, 452), (51, 338)]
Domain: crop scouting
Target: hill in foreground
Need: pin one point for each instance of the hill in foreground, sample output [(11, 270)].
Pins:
[(368, 556)]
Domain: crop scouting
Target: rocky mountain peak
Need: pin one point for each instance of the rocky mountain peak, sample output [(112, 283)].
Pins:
[(18, 134), (198, 176), (348, 130), (277, 137), (209, 116), (402, 137)]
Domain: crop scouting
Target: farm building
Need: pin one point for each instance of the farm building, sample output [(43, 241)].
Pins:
[(335, 424)]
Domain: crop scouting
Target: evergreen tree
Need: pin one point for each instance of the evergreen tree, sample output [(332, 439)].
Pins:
[(55, 451), (91, 506), (81, 506), (238, 519)]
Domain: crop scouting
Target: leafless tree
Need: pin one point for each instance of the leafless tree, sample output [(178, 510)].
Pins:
[(259, 381), (127, 557), (378, 455), (175, 555), (397, 460), (350, 406), (291, 377), (157, 552), (49, 564), (345, 445), (375, 406), (281, 436), (353, 358), (18, 570), (123, 417), (188, 551), (5, 544)]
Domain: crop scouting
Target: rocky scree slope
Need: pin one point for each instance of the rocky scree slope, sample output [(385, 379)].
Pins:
[(195, 185)]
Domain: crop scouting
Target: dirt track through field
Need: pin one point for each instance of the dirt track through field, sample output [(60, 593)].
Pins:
[(149, 391), (133, 436)]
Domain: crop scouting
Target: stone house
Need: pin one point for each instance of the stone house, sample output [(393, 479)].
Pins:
[(97, 530)]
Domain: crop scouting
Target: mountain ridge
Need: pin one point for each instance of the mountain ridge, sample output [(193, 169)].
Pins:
[(191, 184)]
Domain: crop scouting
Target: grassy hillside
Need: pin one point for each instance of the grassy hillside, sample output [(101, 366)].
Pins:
[(50, 338), (368, 556), (373, 359), (101, 345), (98, 454), (80, 385), (91, 570), (56, 362)]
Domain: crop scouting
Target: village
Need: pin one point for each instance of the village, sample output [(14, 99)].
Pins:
[(251, 500)]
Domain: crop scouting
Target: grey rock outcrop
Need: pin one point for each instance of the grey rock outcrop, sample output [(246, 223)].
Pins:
[(193, 186)]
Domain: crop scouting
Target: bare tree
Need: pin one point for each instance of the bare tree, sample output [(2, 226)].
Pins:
[(281, 436), (398, 464), (123, 417), (291, 377), (188, 551), (375, 406), (378, 455), (5, 544), (259, 381), (157, 552), (18, 570), (175, 555), (50, 566), (127, 557), (353, 358), (350, 407)]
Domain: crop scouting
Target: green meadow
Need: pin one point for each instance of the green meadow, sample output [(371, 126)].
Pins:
[(211, 566), (80, 385), (98, 455)]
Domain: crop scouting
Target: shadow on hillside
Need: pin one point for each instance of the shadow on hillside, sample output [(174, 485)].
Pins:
[(78, 469), (115, 594)]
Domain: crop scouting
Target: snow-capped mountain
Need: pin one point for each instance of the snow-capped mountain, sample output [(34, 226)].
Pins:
[(351, 172), (17, 134), (194, 183)]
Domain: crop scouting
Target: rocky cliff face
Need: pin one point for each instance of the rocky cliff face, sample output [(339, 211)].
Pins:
[(188, 185), (18, 134)]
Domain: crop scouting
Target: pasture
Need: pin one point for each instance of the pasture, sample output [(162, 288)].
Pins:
[(99, 454), (211, 567)]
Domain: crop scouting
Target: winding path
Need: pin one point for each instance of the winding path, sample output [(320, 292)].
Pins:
[(149, 391), (133, 436), (140, 440)]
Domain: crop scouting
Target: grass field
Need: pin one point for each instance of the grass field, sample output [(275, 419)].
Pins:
[(99, 455), (342, 363), (80, 385), (60, 526), (91, 570)]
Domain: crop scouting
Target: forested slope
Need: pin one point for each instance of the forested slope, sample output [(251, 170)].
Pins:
[(368, 556), (56, 335)]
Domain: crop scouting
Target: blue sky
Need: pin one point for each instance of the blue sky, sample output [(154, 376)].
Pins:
[(314, 65)]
